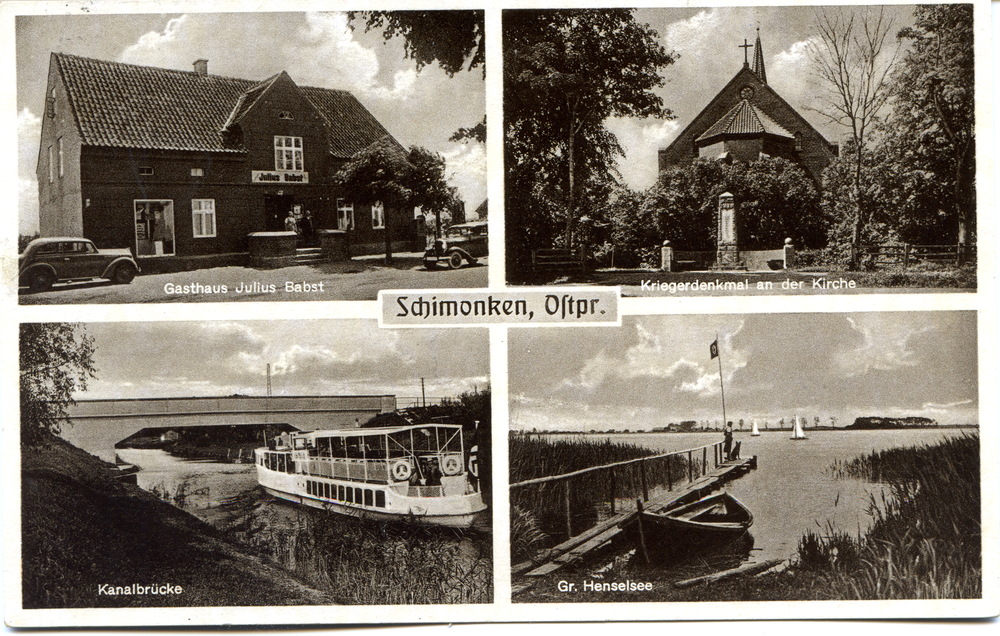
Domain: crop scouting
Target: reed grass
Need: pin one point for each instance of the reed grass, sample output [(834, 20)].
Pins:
[(367, 563), (926, 536), (543, 505)]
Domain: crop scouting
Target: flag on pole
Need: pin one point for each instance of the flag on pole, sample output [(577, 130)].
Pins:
[(714, 349)]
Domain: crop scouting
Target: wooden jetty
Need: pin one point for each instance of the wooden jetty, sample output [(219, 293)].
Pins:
[(701, 480)]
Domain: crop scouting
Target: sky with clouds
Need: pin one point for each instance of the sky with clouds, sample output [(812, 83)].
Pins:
[(307, 357), (657, 369), (317, 49), (707, 41)]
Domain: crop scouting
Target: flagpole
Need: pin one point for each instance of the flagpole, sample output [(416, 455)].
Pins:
[(722, 386)]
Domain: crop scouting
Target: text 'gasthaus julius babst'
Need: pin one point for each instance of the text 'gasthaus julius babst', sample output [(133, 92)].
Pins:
[(594, 306)]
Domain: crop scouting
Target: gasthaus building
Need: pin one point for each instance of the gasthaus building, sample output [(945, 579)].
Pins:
[(189, 169)]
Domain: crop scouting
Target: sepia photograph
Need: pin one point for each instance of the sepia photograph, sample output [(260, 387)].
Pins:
[(249, 156), (747, 458), (723, 151), (218, 463)]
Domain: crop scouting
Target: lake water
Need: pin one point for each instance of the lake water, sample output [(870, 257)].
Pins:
[(793, 491)]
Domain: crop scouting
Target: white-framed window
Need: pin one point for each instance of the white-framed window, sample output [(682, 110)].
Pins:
[(345, 215), (197, 172), (52, 166), (203, 217), (378, 215), (61, 163), (288, 153), (146, 171)]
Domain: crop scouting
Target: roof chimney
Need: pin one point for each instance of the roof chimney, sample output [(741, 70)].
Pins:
[(201, 67)]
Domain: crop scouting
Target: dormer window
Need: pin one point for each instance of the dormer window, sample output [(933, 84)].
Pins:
[(145, 171), (285, 114)]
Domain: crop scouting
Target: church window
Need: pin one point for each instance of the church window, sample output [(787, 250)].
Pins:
[(285, 115), (798, 142), (746, 92)]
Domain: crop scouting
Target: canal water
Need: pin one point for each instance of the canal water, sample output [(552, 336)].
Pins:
[(198, 486), (793, 491)]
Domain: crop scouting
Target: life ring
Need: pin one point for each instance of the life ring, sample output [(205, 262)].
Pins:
[(451, 465), (401, 470)]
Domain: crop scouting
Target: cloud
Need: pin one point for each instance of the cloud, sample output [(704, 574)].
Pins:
[(883, 348), (465, 169), (29, 131), (640, 139)]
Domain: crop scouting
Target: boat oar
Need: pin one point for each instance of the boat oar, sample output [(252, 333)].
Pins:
[(749, 568)]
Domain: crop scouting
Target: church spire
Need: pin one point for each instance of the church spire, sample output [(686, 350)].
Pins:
[(758, 60)]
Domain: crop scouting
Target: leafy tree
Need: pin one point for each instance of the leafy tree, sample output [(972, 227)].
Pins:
[(56, 360), (933, 119), (777, 200), (446, 37), (385, 173), (565, 73), (849, 57)]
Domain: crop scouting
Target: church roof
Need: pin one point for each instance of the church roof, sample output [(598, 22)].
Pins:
[(758, 60), (130, 106), (745, 119)]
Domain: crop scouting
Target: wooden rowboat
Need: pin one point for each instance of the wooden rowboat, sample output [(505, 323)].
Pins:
[(714, 523)]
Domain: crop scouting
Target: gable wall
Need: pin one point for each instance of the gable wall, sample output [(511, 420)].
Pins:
[(815, 155), (59, 202)]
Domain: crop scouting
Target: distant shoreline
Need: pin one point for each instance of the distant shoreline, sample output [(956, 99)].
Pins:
[(761, 431)]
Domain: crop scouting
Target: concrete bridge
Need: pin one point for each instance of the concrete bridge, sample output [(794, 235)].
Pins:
[(97, 425)]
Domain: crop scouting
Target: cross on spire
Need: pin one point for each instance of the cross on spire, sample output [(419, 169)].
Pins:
[(745, 46)]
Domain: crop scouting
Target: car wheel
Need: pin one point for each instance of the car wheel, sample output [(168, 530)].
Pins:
[(455, 260), (123, 274), (41, 280)]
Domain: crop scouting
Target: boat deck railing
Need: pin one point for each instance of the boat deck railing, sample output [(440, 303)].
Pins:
[(630, 477)]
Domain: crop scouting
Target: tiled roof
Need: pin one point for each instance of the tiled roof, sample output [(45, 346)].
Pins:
[(129, 106), (745, 119)]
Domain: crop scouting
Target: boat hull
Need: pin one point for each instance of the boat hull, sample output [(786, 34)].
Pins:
[(442, 520), (717, 524)]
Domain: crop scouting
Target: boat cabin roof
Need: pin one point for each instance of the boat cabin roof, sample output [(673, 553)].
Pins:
[(379, 430)]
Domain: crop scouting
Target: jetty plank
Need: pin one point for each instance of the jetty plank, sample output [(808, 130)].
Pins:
[(577, 547), (748, 568)]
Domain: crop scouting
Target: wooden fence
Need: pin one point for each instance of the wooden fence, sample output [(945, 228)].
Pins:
[(906, 254), (618, 473)]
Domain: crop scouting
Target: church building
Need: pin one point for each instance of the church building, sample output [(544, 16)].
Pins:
[(183, 166), (747, 120)]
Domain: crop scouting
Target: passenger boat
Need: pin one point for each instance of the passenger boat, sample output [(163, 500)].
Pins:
[(419, 474), (715, 523)]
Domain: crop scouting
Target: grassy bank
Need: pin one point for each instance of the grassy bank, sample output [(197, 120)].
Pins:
[(925, 542), (366, 563), (81, 529), (538, 517)]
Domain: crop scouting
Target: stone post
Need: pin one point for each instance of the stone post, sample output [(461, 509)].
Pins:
[(789, 254), (727, 254), (666, 257)]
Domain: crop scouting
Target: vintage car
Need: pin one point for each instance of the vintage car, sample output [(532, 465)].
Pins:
[(48, 260), (465, 241)]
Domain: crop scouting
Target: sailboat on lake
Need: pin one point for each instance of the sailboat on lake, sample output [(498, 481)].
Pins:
[(797, 432), (755, 432)]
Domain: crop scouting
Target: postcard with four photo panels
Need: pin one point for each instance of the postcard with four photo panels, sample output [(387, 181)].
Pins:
[(722, 350)]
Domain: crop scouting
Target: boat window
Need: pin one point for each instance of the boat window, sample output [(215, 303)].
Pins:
[(301, 443), (340, 493), (337, 447), (450, 440), (350, 495), (424, 440), (322, 447), (354, 448), (374, 446), (379, 499), (357, 495), (326, 491), (368, 498), (399, 443)]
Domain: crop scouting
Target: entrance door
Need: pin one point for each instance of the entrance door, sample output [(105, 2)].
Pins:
[(276, 209)]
